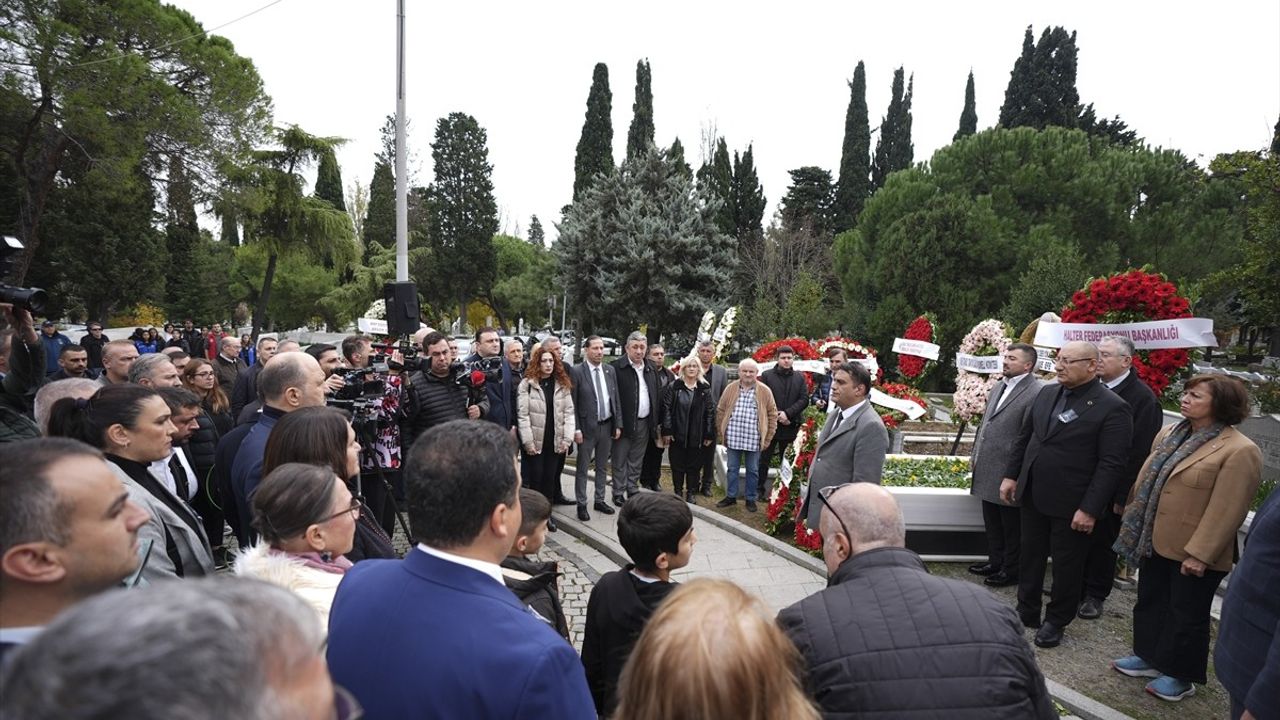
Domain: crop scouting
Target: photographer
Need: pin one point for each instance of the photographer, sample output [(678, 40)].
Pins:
[(434, 395), (25, 376), (377, 406)]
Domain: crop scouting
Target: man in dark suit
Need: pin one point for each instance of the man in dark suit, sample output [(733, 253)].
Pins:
[(438, 634), (489, 345), (245, 389), (651, 470), (1064, 469), (1008, 407), (1115, 368), (718, 378), (595, 401), (792, 396), (853, 442), (638, 397)]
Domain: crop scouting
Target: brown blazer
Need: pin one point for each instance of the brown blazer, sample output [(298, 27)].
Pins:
[(1205, 499), (766, 411)]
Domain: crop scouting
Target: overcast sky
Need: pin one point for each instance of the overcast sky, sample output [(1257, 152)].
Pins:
[(1200, 77)]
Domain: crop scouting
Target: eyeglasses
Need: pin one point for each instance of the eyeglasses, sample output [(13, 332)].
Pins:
[(1112, 355), (1058, 361), (357, 504), (824, 496), (204, 374)]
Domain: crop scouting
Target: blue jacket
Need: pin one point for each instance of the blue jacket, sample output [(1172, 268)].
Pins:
[(246, 469), (53, 345), (427, 638), (1247, 656)]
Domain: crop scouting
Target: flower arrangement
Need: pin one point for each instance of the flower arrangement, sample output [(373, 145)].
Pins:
[(989, 337), (784, 499), (1135, 296), (912, 367), (804, 351), (893, 418), (856, 350)]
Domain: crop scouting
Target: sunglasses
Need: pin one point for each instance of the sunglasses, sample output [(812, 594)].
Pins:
[(824, 496)]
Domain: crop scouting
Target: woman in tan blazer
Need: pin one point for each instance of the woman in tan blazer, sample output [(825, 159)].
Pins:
[(546, 421), (1180, 528)]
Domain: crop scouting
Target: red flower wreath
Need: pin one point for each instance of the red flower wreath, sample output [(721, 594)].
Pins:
[(803, 349), (1135, 296), (912, 366)]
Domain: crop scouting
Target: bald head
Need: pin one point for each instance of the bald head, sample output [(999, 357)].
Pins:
[(870, 515), (292, 381), (422, 333), (1076, 364), (1081, 349)]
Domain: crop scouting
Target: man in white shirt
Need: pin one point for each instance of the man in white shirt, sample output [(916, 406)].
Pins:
[(638, 397)]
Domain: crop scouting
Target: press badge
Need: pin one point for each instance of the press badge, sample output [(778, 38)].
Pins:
[(1067, 416)]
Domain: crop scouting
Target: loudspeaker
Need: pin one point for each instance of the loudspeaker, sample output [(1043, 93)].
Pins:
[(402, 307)]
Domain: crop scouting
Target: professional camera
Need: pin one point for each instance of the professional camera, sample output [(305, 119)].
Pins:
[(474, 374), (30, 299), (381, 358)]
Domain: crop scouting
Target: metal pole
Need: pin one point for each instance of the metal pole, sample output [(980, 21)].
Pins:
[(402, 181)]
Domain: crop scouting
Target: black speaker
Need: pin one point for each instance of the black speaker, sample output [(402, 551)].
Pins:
[(402, 307)]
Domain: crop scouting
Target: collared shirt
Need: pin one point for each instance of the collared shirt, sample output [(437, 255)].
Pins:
[(602, 387), (493, 570), (20, 635), (642, 410), (1113, 383), (743, 431), (161, 471), (1009, 384), (848, 412)]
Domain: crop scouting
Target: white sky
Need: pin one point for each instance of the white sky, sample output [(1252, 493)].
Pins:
[(1200, 77)]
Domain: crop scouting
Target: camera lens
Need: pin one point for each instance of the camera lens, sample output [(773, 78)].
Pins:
[(31, 299)]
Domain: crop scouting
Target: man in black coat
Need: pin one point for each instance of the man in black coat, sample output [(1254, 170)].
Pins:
[(718, 378), (792, 396), (245, 389), (651, 470), (638, 396), (887, 639), (1115, 367), (488, 344), (92, 342), (1064, 469)]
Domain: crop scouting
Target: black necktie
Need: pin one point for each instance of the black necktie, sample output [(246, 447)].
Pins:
[(836, 425), (179, 478), (1063, 398)]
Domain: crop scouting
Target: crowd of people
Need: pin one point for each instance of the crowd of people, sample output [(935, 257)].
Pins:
[(121, 491)]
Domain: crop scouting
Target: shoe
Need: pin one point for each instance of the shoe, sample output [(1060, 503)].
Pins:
[(1030, 621), (690, 498), (1049, 636), (1134, 666), (1000, 579), (706, 492), (619, 500), (562, 500), (727, 502), (551, 525), (602, 507), (751, 506), (984, 569), (1171, 688), (583, 515), (1090, 609)]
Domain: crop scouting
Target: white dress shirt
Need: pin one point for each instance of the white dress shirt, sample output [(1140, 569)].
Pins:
[(493, 570), (1009, 384), (602, 385), (1113, 383), (642, 410)]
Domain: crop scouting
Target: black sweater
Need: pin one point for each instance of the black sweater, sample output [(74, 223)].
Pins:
[(619, 607)]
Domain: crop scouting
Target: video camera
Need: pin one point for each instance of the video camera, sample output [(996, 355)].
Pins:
[(474, 374), (381, 360), (30, 299)]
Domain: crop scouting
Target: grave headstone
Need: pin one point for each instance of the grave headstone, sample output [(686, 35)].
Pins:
[(1265, 432)]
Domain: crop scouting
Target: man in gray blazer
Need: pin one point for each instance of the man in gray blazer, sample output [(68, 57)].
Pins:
[(1008, 407), (596, 403), (853, 442), (718, 378)]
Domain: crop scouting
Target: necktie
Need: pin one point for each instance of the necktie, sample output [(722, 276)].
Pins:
[(1063, 399), (1004, 393), (836, 425), (179, 479), (600, 408)]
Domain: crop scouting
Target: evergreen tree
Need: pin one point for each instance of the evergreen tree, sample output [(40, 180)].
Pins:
[(808, 202), (715, 179), (968, 116), (537, 236), (1017, 96), (1042, 87), (747, 196), (677, 159), (640, 134), (462, 215), (894, 150), (1275, 141), (182, 236), (380, 221), (329, 181), (595, 146), (854, 184), (230, 233)]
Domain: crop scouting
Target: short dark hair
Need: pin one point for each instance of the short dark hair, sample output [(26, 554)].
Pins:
[(486, 329), (352, 344), (1027, 350), (857, 373), (70, 349), (178, 397), (88, 422), (314, 435), (32, 510), (650, 524), (534, 509), (784, 350), (179, 355), (317, 350), (278, 377), (454, 477), (1230, 403), (434, 337), (290, 499)]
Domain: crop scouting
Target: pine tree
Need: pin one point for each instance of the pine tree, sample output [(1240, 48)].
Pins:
[(380, 221), (1017, 95), (329, 181), (681, 165), (894, 150), (1275, 140), (595, 146), (715, 178), (968, 116), (640, 134), (230, 233), (537, 236), (853, 186), (747, 196), (808, 202)]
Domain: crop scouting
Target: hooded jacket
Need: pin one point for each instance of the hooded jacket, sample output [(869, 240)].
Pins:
[(535, 584), (619, 607)]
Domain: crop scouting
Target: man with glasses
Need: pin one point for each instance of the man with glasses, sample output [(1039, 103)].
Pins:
[(1064, 469), (883, 623), (93, 342)]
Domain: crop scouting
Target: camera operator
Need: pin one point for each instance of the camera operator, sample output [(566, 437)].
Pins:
[(26, 375), (377, 424), (433, 394), (488, 344)]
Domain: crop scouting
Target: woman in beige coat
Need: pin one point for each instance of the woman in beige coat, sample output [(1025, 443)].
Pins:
[(545, 416)]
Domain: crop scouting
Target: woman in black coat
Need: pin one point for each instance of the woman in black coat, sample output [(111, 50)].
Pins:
[(689, 424)]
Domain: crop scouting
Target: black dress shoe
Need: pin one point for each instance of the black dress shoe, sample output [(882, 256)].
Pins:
[(619, 500), (751, 506), (1030, 621), (604, 508), (727, 502), (984, 569), (583, 515), (706, 492), (551, 525), (562, 500), (1000, 579), (1090, 609), (1049, 636)]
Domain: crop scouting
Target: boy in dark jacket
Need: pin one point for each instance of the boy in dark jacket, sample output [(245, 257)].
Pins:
[(656, 530), (532, 581)]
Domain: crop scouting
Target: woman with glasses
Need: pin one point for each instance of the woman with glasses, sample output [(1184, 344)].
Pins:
[(306, 520), (1179, 530), (199, 377), (324, 436)]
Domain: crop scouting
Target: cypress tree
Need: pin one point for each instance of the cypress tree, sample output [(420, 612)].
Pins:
[(182, 234), (807, 204), (715, 178), (1275, 140), (853, 186), (595, 146), (1042, 87), (894, 150), (380, 221), (748, 197), (1017, 94), (968, 116), (329, 181), (230, 233), (536, 234), (640, 134), (676, 153)]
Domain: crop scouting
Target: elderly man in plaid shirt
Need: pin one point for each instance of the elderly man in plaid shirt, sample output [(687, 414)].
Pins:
[(746, 420)]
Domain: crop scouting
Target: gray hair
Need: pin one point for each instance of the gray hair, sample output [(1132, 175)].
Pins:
[(513, 343), (196, 649), (637, 336), (266, 339), (705, 343), (51, 393), (224, 342), (288, 346), (145, 367), (1122, 341)]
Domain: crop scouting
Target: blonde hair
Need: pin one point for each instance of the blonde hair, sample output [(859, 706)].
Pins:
[(712, 651)]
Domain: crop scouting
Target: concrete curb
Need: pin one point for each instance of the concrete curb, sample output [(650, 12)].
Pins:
[(607, 546), (1081, 706)]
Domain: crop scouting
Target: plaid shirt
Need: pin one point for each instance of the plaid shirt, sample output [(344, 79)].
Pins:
[(743, 432)]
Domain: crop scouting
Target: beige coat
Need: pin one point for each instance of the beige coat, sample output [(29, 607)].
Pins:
[(1205, 499), (766, 411), (531, 414)]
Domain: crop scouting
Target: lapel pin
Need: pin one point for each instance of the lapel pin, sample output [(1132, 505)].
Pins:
[(1089, 404)]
